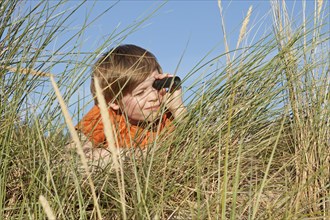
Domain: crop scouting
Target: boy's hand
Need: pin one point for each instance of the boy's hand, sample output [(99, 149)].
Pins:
[(173, 100)]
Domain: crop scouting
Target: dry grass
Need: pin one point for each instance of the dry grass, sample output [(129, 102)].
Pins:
[(112, 142), (47, 208), (253, 146)]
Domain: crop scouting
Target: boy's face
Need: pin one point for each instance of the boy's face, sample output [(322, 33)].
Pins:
[(144, 102)]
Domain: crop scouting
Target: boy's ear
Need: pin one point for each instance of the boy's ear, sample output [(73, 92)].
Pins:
[(114, 106)]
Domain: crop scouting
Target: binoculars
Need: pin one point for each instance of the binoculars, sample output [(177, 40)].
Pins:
[(167, 83)]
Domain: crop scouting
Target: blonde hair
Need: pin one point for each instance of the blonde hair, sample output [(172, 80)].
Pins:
[(121, 69)]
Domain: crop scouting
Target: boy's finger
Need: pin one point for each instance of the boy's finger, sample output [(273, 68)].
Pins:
[(162, 76)]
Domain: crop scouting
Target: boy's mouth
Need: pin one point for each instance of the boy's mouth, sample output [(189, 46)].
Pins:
[(153, 108)]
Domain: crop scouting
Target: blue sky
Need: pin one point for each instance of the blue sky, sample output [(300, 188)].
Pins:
[(176, 27)]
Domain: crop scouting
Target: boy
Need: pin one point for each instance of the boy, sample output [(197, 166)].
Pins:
[(138, 111)]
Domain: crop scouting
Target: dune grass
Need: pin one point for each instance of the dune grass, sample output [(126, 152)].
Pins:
[(254, 145)]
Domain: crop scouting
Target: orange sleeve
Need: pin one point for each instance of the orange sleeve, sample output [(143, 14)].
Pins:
[(91, 126)]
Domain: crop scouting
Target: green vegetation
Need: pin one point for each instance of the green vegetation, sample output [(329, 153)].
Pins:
[(255, 144)]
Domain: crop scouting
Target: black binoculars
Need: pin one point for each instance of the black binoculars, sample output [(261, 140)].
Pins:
[(167, 83)]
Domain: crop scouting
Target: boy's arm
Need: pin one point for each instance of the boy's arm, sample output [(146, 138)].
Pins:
[(86, 144), (94, 155), (173, 99)]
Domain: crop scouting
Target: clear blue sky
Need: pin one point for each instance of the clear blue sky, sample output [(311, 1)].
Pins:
[(176, 25)]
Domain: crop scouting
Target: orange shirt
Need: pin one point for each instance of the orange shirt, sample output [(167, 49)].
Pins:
[(128, 135)]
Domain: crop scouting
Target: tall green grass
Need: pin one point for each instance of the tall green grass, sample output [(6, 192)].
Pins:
[(254, 145)]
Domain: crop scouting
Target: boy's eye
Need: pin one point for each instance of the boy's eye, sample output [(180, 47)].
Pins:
[(139, 93)]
